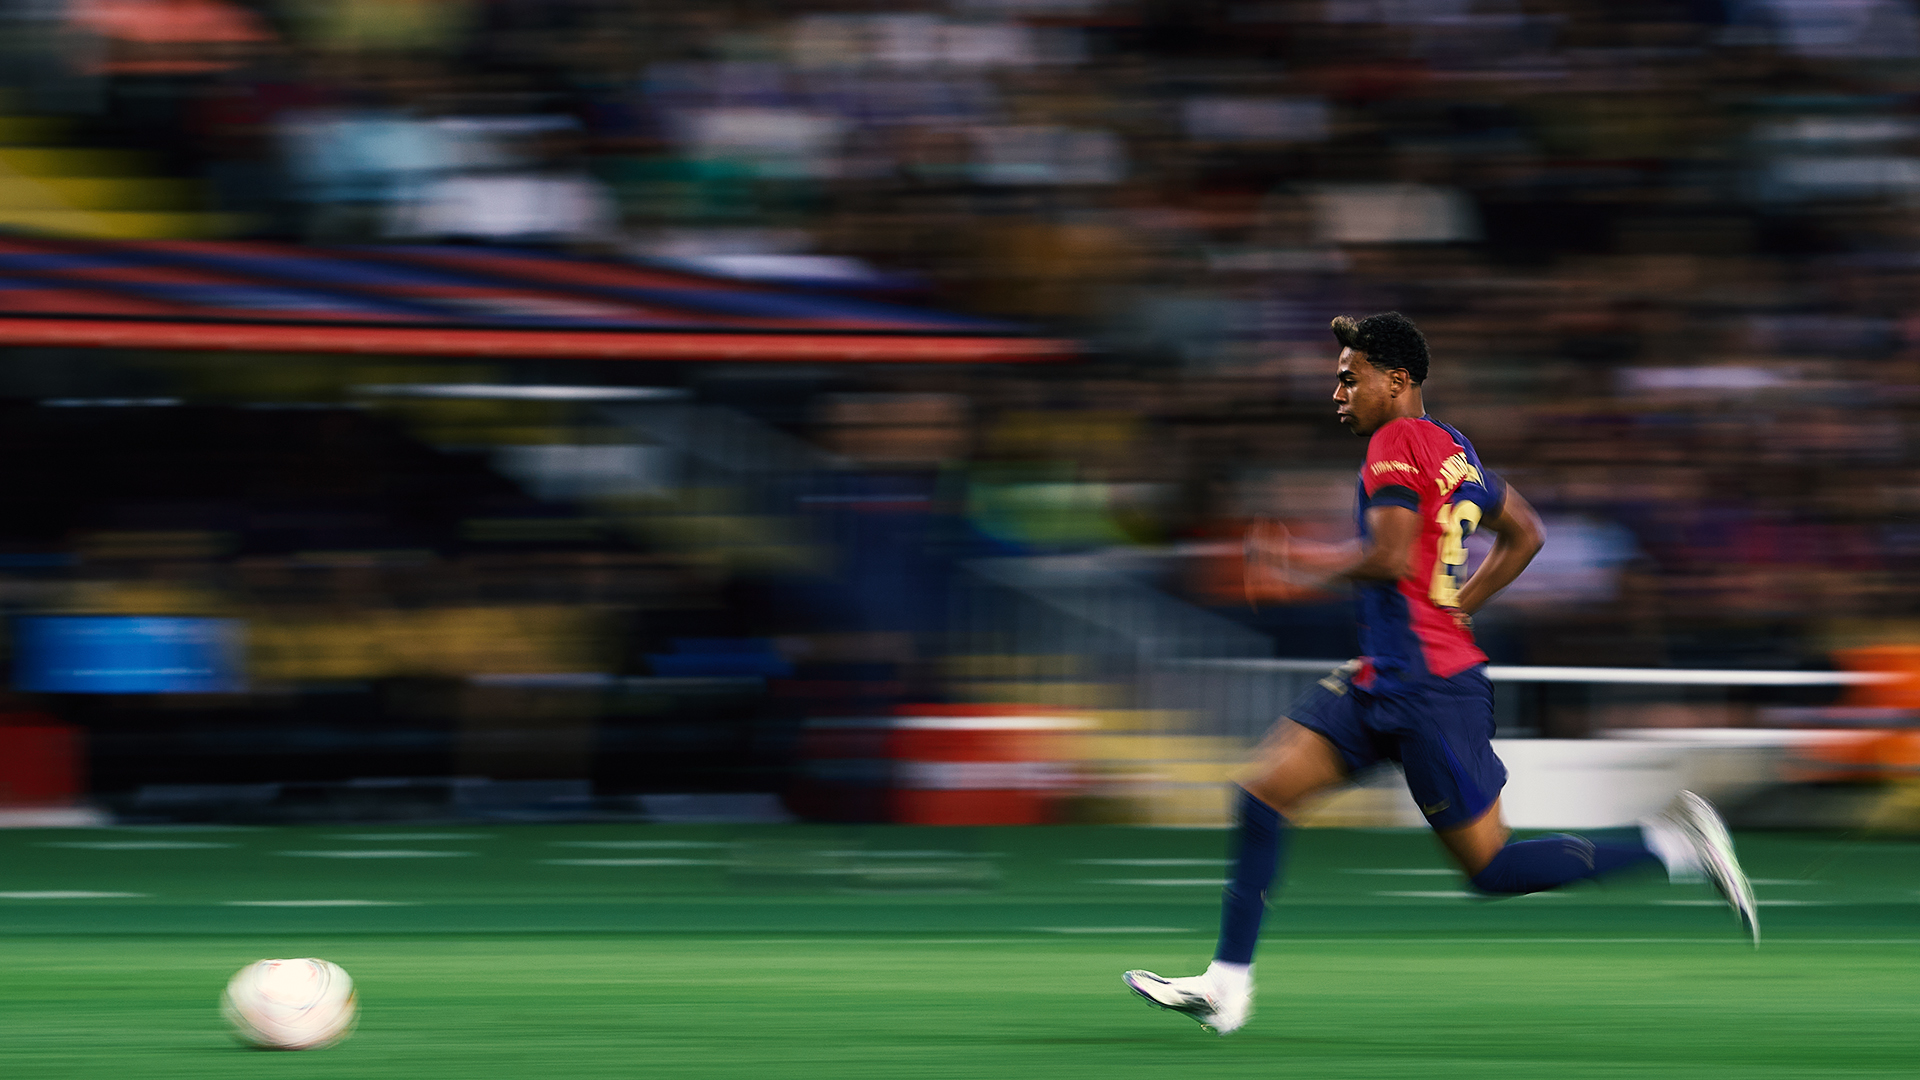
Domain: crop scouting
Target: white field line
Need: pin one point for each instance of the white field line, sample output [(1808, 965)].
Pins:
[(927, 854), (642, 844), (133, 845), (377, 853), (839, 940), (635, 862), (1458, 894), (1744, 943), (1762, 903), (1112, 930), (1176, 882), (318, 903), (410, 836), (1423, 871), (204, 827), (69, 894), (1149, 862)]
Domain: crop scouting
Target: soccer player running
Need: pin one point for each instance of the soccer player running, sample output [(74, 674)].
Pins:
[(1420, 695)]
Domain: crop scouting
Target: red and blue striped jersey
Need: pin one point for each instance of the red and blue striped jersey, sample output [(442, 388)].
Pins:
[(1407, 628)]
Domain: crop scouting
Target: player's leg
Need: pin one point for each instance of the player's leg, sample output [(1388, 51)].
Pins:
[(1476, 843), (1456, 777), (1293, 763), (1498, 865), (1446, 747), (1688, 839)]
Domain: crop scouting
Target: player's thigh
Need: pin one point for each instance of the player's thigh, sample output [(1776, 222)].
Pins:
[(1292, 764), (1444, 738), (1474, 844)]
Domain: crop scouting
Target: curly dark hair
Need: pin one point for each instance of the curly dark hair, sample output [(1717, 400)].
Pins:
[(1389, 339)]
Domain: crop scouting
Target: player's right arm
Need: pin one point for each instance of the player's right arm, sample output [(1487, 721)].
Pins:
[(1383, 556), (1517, 538), (1390, 483), (1388, 549)]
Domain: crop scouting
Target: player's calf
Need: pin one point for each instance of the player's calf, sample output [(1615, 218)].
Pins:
[(1530, 866)]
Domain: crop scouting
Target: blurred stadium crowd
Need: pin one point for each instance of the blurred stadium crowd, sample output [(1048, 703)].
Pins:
[(1665, 253)]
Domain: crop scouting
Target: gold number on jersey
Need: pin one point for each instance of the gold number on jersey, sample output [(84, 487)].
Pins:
[(1457, 522)]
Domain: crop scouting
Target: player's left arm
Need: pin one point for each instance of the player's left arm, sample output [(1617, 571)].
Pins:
[(1517, 538)]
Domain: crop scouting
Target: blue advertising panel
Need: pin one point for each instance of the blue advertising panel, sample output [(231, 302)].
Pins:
[(127, 654)]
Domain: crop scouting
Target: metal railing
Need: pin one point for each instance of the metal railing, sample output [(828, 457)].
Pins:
[(1243, 696)]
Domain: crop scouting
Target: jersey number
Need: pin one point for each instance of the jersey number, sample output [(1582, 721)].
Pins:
[(1457, 522)]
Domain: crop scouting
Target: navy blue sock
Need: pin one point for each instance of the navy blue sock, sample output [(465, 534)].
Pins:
[(1259, 840), (1529, 866)]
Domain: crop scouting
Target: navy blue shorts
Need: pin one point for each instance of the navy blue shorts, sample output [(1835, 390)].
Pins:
[(1440, 732)]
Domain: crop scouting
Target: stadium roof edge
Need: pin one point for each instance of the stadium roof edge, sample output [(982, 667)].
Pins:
[(459, 301)]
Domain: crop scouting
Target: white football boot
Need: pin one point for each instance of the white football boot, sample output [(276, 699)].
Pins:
[(1220, 1002), (1693, 820)]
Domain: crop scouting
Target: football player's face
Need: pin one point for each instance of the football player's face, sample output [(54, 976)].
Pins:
[(1364, 394)]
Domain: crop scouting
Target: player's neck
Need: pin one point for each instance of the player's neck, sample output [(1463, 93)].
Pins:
[(1408, 404)]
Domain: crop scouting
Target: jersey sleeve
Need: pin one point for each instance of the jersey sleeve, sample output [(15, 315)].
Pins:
[(1393, 474), (1485, 488)]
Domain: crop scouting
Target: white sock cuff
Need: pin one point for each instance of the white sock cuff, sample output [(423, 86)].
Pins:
[(1229, 974), (1673, 849)]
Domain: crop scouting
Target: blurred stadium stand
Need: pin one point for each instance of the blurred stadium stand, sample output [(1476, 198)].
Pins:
[(471, 355)]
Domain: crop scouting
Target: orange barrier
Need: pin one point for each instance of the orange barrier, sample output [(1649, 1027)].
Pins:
[(1869, 755), (1903, 660)]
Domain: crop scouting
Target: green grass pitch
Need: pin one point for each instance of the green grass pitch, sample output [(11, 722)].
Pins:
[(576, 952)]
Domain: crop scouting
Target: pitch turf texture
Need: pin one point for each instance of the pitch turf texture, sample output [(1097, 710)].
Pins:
[(574, 952)]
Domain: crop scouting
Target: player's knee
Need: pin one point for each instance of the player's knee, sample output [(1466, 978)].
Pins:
[(1495, 885), (1498, 879), (1250, 795), (1275, 794)]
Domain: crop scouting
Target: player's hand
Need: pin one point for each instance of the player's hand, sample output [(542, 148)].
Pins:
[(1462, 620), (1266, 552)]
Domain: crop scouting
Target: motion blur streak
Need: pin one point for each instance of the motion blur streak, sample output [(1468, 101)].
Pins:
[(834, 427), (1663, 254)]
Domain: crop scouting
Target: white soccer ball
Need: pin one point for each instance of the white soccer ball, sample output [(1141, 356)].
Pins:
[(291, 1004)]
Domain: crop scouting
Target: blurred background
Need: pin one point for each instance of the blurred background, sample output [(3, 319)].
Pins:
[(768, 410)]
